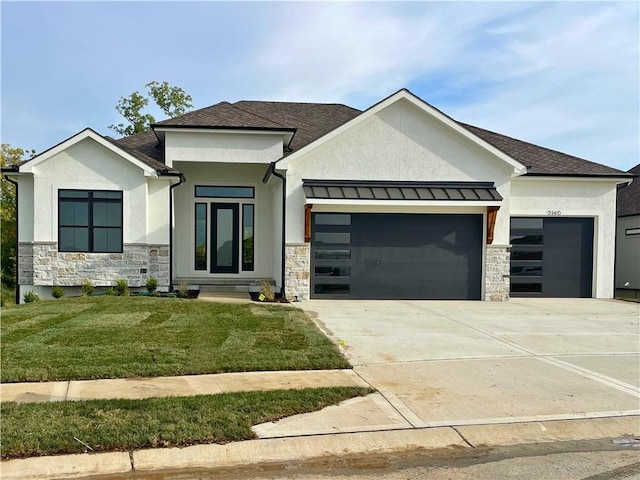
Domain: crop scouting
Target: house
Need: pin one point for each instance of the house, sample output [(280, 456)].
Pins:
[(398, 201), (628, 239)]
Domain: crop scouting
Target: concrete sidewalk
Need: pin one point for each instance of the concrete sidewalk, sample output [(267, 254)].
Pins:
[(181, 386)]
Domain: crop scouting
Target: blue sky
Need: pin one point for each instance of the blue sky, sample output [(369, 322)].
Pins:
[(564, 75)]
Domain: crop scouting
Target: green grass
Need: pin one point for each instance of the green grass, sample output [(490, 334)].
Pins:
[(32, 429), (8, 295), (116, 337)]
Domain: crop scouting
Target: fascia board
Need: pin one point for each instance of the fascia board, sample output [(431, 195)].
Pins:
[(519, 169), (287, 134), (78, 137), (576, 178)]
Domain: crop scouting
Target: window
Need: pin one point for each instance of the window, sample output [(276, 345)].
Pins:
[(224, 192), (89, 221), (247, 237), (201, 237)]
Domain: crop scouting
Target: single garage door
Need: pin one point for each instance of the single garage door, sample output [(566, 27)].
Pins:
[(551, 257), (396, 256)]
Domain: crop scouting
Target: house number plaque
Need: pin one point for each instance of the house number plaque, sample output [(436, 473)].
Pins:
[(554, 213)]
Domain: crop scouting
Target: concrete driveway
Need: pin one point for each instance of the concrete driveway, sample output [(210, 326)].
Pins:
[(448, 363)]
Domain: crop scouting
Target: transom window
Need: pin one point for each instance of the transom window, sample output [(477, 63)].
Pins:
[(224, 192), (90, 221)]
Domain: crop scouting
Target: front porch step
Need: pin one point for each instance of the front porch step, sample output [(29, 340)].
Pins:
[(222, 285)]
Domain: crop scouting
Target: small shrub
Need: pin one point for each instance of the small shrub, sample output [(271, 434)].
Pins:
[(267, 291), (87, 288), (122, 288), (183, 290), (110, 291), (152, 284), (30, 297), (57, 291)]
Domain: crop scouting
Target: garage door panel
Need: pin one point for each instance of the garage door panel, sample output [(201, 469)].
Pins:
[(410, 256), (552, 257)]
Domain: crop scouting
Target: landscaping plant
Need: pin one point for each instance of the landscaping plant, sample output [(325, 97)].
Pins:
[(87, 288), (30, 297)]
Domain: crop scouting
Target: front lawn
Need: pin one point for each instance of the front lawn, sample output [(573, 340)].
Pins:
[(32, 429), (111, 337)]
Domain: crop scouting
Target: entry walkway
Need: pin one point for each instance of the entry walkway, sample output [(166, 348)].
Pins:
[(182, 386)]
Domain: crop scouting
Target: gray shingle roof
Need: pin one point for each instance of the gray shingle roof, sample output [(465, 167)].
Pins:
[(629, 195), (143, 146), (541, 160), (311, 121), (225, 115)]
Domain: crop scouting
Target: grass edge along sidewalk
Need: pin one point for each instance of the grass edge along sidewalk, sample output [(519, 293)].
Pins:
[(34, 429), (118, 337)]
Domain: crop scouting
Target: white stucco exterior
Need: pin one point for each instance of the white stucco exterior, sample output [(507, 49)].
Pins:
[(89, 166), (575, 197), (220, 146), (399, 143)]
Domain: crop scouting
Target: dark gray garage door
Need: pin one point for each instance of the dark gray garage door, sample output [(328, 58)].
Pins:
[(396, 256), (551, 257)]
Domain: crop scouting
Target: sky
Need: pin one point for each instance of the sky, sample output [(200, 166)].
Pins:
[(564, 75)]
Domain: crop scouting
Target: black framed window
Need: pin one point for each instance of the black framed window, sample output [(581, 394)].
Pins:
[(247, 237), (201, 237), (90, 221), (224, 192)]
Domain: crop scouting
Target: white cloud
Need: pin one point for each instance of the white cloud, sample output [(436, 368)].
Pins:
[(561, 74)]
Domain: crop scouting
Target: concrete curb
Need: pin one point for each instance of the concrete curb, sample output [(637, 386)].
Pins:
[(283, 451)]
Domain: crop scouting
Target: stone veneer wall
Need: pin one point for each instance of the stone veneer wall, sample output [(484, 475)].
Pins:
[(297, 270), (497, 273), (42, 264)]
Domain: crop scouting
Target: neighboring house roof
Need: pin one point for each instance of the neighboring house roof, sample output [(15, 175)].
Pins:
[(629, 196), (312, 121)]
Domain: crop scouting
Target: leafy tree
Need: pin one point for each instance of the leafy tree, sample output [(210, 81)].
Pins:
[(173, 101), (8, 226)]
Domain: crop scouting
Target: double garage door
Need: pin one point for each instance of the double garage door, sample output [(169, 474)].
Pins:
[(429, 256), (396, 256)]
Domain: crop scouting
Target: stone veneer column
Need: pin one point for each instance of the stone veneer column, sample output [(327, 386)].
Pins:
[(297, 270), (497, 273), (25, 264)]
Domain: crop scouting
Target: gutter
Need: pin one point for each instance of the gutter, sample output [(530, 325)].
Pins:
[(272, 171), (181, 182), (17, 233)]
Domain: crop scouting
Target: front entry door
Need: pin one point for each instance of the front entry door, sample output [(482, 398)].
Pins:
[(224, 237)]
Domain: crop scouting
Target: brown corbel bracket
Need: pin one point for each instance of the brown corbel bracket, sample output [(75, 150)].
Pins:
[(307, 222), (492, 213)]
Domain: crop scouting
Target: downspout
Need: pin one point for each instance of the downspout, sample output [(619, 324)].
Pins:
[(17, 238), (181, 182), (284, 222)]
